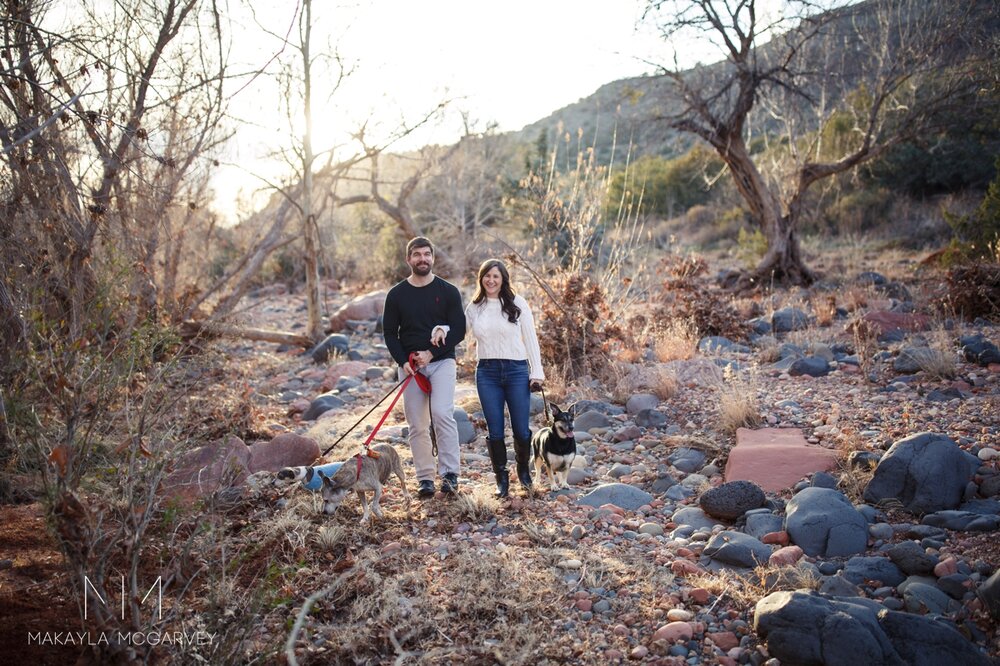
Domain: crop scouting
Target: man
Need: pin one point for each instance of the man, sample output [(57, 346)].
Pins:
[(412, 309)]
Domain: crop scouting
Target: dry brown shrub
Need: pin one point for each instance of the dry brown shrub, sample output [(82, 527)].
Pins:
[(856, 297), (865, 335), (629, 354), (577, 333), (690, 298), (973, 290)]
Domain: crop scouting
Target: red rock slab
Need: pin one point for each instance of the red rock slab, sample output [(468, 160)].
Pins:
[(202, 471), (285, 450), (775, 458), (886, 321)]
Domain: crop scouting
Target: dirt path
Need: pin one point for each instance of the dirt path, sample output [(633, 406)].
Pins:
[(34, 590)]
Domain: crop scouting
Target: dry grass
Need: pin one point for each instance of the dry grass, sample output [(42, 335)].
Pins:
[(942, 361), (771, 353), (857, 297), (825, 307), (330, 537), (480, 504), (739, 405), (853, 481), (786, 578), (745, 590), (865, 336), (934, 363), (678, 340), (742, 591), (627, 380), (490, 606)]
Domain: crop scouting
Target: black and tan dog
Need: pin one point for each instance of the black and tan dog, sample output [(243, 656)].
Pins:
[(363, 474), (554, 448)]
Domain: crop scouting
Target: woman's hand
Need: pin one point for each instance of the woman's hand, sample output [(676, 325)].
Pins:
[(438, 336), (535, 385)]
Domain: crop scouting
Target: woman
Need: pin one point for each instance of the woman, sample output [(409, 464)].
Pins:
[(510, 367)]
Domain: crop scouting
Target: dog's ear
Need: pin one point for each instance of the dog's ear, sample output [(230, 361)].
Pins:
[(571, 410), (554, 407), (327, 481)]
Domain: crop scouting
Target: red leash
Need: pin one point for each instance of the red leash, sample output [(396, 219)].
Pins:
[(425, 386)]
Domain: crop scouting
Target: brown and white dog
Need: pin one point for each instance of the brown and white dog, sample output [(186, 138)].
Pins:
[(363, 474)]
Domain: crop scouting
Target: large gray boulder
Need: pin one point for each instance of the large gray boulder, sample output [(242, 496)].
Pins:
[(622, 495), (807, 629), (823, 522), (692, 516), (333, 344), (322, 404), (858, 570), (927, 472), (738, 549)]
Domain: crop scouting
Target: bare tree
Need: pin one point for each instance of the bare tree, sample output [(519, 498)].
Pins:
[(903, 63), (101, 123), (398, 209), (466, 193)]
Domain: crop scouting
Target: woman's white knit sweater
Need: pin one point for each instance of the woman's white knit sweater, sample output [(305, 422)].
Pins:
[(497, 337)]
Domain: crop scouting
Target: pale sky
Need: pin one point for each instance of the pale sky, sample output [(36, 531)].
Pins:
[(512, 62)]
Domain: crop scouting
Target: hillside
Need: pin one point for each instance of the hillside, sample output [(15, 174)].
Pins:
[(625, 111)]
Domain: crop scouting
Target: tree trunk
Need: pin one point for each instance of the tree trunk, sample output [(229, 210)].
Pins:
[(192, 329), (783, 263), (310, 229)]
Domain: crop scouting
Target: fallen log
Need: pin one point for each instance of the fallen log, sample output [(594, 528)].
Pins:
[(191, 329)]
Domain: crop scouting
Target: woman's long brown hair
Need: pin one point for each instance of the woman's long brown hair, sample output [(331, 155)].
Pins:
[(506, 293)]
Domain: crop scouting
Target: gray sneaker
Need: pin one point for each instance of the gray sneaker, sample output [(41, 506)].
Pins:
[(449, 483)]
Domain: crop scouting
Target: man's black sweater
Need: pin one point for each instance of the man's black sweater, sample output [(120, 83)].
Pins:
[(411, 313)]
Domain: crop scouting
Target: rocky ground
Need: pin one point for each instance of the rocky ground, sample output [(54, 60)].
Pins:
[(636, 561), (661, 551)]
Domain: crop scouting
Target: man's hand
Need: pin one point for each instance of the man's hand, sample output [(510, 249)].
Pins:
[(423, 358)]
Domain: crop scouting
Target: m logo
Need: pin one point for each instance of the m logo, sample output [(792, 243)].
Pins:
[(158, 585)]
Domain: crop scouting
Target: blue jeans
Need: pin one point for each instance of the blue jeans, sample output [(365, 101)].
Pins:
[(500, 381)]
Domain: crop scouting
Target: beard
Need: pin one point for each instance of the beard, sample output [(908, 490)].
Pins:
[(421, 270)]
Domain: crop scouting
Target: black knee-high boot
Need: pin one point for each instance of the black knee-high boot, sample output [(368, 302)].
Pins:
[(498, 456), (522, 452)]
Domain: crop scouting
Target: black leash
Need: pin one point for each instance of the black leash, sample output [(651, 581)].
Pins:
[(545, 402), (346, 432)]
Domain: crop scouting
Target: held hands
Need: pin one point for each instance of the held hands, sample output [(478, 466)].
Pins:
[(438, 336)]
